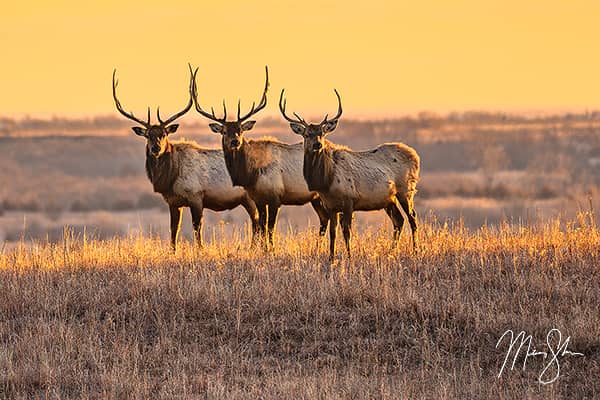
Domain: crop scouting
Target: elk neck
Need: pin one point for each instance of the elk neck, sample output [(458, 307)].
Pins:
[(162, 171), (241, 169), (319, 169)]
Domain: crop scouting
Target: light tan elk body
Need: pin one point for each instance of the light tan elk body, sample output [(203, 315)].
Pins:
[(382, 178), (270, 171), (185, 174)]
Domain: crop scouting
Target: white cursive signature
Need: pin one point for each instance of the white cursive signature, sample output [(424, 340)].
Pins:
[(551, 371)]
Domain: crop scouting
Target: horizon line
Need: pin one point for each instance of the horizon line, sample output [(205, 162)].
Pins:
[(530, 112)]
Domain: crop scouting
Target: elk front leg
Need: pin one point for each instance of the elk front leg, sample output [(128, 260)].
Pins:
[(333, 222), (197, 223), (262, 224), (273, 213), (252, 211), (323, 215), (175, 224)]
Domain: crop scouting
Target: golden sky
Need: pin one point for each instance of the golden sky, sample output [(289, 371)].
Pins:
[(385, 57)]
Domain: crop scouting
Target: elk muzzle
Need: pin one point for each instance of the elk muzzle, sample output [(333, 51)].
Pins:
[(155, 150), (235, 144)]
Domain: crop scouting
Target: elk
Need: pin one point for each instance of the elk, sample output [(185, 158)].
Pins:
[(185, 174), (269, 170), (382, 178)]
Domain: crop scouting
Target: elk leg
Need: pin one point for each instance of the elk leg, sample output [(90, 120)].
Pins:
[(393, 210), (347, 228), (262, 224), (408, 206), (197, 223), (175, 224), (323, 215), (273, 212), (333, 222)]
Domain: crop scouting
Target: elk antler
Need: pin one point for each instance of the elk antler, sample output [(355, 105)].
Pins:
[(213, 117), (339, 112), (187, 107), (130, 116), (282, 104), (263, 100)]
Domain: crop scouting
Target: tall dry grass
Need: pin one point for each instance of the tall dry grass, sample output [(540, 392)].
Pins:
[(127, 319)]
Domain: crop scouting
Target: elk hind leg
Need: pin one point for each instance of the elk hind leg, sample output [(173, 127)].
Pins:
[(347, 228), (393, 211), (408, 206)]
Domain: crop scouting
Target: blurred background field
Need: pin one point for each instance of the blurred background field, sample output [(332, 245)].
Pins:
[(479, 166)]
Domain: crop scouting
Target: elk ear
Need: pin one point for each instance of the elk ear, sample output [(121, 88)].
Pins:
[(297, 128), (139, 131), (172, 128), (216, 128), (329, 126), (248, 125)]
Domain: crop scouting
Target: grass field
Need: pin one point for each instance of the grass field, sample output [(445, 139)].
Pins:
[(124, 318)]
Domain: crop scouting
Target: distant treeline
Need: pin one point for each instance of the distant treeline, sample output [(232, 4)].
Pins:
[(424, 119)]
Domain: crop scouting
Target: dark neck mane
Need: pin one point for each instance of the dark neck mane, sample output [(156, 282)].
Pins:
[(319, 169), (162, 171), (241, 169)]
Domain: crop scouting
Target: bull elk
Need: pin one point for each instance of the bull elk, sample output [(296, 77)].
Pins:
[(185, 174), (382, 178), (270, 171)]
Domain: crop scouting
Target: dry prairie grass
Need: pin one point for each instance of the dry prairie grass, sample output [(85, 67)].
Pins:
[(127, 319)]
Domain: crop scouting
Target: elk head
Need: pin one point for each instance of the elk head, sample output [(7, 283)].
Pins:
[(155, 134), (233, 131), (313, 134)]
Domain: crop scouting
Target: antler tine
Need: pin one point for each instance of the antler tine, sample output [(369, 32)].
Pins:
[(339, 113), (190, 102), (130, 116), (263, 100), (158, 115), (282, 105), (299, 118), (199, 109)]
